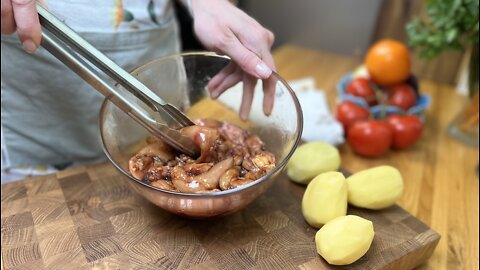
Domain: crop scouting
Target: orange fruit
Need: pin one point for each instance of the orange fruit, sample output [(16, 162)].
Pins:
[(388, 62)]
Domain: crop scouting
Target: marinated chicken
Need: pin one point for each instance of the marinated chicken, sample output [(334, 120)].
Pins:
[(229, 157)]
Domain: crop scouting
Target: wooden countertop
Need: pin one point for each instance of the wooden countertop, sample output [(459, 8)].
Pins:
[(72, 218), (441, 185)]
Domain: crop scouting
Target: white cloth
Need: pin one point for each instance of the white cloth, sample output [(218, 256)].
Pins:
[(318, 122)]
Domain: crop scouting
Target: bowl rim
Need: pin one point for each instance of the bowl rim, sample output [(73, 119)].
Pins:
[(218, 193)]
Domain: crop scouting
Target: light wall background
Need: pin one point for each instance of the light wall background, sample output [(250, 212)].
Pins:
[(340, 26)]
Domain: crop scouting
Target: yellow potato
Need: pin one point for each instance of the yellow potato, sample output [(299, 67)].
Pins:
[(345, 239), (311, 159), (375, 188), (325, 199)]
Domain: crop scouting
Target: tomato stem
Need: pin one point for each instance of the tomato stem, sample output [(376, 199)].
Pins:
[(382, 101)]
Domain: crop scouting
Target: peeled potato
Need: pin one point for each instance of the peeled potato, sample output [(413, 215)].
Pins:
[(375, 188), (325, 199), (311, 159), (345, 239)]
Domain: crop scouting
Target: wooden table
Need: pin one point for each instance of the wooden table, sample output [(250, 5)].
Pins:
[(441, 185), (71, 211)]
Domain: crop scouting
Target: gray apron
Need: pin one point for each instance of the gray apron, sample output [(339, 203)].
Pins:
[(50, 115)]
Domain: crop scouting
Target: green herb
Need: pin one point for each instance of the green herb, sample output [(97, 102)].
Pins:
[(450, 24)]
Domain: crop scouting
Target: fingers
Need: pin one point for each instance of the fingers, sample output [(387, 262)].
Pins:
[(269, 87), (268, 95), (27, 24), (8, 22), (228, 77), (246, 59), (217, 79), (261, 41), (247, 98), (227, 30), (268, 59), (228, 82)]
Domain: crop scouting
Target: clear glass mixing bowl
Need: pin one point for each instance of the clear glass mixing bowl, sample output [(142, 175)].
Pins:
[(181, 80)]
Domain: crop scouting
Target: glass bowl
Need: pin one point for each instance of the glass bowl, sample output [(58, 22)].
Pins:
[(181, 80)]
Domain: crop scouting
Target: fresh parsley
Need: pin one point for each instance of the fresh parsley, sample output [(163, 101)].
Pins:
[(449, 24)]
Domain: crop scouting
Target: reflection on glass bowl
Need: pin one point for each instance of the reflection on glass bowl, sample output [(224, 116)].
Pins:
[(181, 80)]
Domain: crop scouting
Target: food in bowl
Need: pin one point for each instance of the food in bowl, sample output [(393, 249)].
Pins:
[(229, 157), (189, 74)]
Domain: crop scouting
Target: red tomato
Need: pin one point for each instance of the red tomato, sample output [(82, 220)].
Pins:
[(370, 138), (349, 112), (406, 130), (402, 95), (361, 87)]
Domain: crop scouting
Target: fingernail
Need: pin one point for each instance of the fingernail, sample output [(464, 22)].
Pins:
[(267, 110), (214, 94), (263, 71), (244, 115), (29, 46)]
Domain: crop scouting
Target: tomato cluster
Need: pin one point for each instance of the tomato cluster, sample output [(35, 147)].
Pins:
[(373, 137), (402, 95), (387, 83)]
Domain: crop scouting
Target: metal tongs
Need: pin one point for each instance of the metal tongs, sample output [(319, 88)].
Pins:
[(88, 62)]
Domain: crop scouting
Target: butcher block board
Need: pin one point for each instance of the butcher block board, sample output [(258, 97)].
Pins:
[(89, 218)]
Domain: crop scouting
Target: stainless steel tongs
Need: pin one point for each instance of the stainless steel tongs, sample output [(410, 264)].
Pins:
[(89, 63)]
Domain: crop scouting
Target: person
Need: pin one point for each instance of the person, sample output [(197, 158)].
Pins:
[(49, 115)]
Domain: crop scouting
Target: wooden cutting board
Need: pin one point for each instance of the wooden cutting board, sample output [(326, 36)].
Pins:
[(89, 218)]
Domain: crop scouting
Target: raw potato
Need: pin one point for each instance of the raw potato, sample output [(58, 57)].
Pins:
[(375, 188), (325, 199), (311, 159), (345, 239)]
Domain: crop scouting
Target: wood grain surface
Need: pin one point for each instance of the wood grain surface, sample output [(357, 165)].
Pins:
[(88, 218), (441, 180)]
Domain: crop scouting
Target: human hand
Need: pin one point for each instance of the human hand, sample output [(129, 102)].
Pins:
[(225, 29), (21, 16)]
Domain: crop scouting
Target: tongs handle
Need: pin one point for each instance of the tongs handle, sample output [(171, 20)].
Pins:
[(84, 59), (106, 65)]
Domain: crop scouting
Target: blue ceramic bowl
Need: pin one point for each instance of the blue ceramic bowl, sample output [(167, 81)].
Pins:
[(418, 109)]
